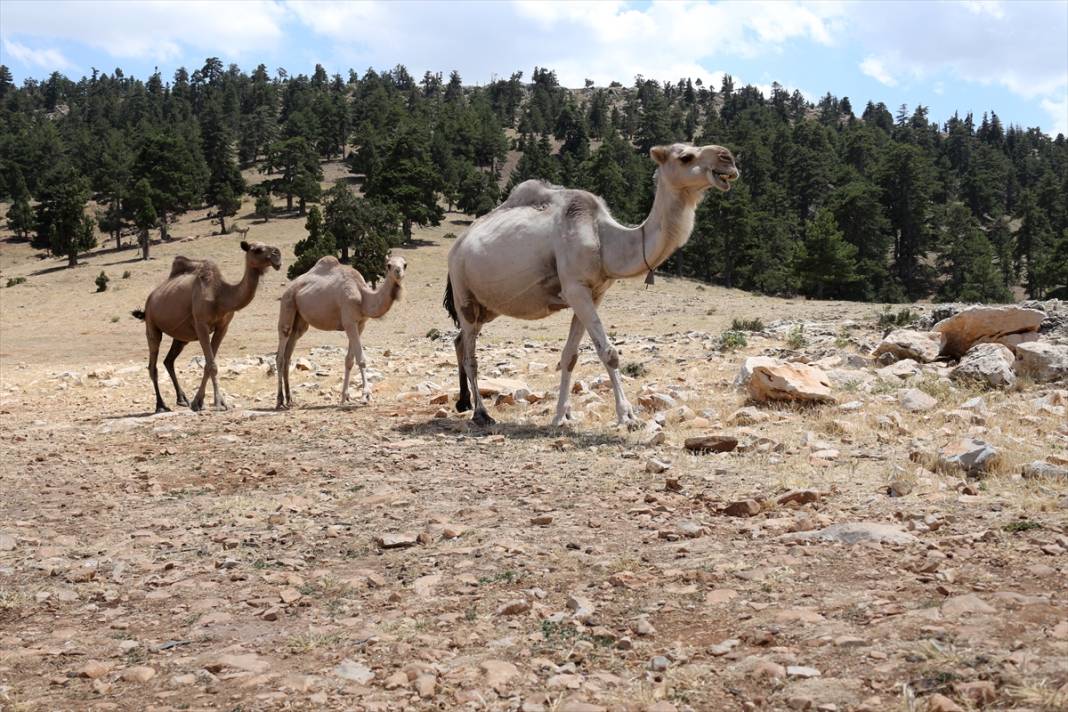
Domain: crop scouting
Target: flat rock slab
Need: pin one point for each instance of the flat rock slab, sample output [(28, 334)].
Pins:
[(985, 324), (790, 382), (711, 443), (850, 533)]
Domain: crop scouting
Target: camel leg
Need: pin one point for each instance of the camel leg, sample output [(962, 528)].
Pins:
[(168, 361), (204, 337), (299, 327), (463, 403), (354, 355), (155, 337), (286, 332), (216, 340), (470, 335), (568, 358), (581, 301)]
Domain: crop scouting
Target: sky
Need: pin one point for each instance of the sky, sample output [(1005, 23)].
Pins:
[(1009, 56)]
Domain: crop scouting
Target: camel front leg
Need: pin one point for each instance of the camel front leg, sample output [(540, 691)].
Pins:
[(155, 337), (354, 355), (470, 363), (581, 300), (216, 340), (204, 337), (568, 359), (168, 361)]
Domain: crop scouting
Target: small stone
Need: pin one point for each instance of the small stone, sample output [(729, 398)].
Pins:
[(426, 686), (801, 671), (720, 649), (798, 497), (354, 672), (978, 692), (140, 673), (916, 401), (7, 542), (643, 627), (514, 608), (655, 467), (93, 669), (967, 605), (397, 540), (742, 508), (289, 595), (395, 681), (659, 664), (767, 668), (711, 443), (272, 613), (498, 674), (542, 520), (941, 703)]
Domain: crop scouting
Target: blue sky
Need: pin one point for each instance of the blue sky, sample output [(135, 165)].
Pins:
[(1010, 56)]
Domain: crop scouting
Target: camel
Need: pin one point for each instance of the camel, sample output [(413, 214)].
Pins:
[(242, 231), (196, 303), (548, 248), (333, 297)]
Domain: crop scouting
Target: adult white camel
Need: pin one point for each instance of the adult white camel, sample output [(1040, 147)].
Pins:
[(548, 248)]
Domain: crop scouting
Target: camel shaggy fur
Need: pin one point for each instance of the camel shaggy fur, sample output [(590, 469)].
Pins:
[(196, 303), (548, 248), (333, 297)]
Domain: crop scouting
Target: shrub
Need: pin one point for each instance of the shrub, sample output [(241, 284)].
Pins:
[(449, 236), (731, 340), (634, 369), (887, 319), (747, 325), (795, 338), (102, 282), (126, 274), (433, 334), (16, 280)]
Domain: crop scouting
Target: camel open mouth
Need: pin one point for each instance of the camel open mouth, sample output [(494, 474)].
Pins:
[(722, 181)]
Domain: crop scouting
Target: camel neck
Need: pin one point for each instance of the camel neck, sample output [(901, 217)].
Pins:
[(237, 296), (630, 252), (376, 302)]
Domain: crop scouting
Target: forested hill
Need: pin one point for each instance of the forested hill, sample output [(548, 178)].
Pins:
[(877, 206)]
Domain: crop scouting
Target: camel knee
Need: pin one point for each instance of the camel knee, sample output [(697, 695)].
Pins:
[(569, 364), (609, 356)]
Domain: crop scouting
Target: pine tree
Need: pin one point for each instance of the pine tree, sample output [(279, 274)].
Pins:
[(62, 225), (478, 192), (140, 205), (966, 259), (827, 263), (175, 170), (20, 217), (318, 244), (407, 180), (905, 177), (264, 206), (298, 165)]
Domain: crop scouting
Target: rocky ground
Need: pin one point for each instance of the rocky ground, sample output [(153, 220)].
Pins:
[(834, 556)]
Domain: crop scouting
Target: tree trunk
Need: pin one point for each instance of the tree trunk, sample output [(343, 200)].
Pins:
[(345, 254), (144, 244), (289, 202), (163, 226), (302, 207), (222, 223), (407, 230), (72, 258), (118, 239)]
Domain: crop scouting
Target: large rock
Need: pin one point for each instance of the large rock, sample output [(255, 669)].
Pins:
[(916, 401), (850, 533), (922, 346), (790, 382), (986, 324), (749, 364), (973, 456), (1042, 361), (989, 364)]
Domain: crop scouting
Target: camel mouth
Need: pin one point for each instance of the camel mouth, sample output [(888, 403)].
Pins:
[(721, 181)]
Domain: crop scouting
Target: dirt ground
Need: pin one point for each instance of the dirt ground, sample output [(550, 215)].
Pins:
[(392, 557)]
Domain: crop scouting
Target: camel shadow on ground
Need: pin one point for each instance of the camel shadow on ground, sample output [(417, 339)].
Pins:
[(511, 431)]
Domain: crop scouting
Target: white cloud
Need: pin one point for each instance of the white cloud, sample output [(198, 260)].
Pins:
[(151, 30), (1058, 114), (49, 59), (874, 68)]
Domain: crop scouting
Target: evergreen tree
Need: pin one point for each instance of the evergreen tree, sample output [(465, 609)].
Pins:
[(966, 259), (906, 180), (140, 205), (318, 244), (298, 165), (20, 216), (478, 193), (407, 180), (175, 170), (827, 263), (264, 206), (62, 225)]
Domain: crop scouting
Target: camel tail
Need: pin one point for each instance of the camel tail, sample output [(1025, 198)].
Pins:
[(138, 314), (449, 303)]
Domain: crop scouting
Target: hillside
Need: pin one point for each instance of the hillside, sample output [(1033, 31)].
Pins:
[(391, 556)]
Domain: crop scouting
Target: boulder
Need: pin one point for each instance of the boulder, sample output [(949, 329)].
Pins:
[(1041, 468), (902, 370), (981, 324), (790, 382), (850, 533), (749, 364), (973, 456), (989, 364), (1042, 361), (916, 401), (922, 346)]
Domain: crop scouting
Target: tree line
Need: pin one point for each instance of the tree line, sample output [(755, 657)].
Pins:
[(879, 207)]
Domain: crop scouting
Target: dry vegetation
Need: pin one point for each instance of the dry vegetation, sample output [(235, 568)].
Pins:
[(231, 560)]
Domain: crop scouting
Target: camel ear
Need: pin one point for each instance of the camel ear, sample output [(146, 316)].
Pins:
[(244, 246), (660, 154)]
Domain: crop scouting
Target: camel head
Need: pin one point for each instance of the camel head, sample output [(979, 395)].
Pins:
[(695, 167), (260, 256), (395, 266)]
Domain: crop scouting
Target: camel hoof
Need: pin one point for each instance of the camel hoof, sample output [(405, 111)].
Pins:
[(196, 406), (462, 406), (482, 419), (631, 423), (162, 409), (182, 401), (281, 406)]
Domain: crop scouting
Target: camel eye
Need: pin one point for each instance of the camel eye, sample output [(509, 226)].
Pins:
[(686, 158)]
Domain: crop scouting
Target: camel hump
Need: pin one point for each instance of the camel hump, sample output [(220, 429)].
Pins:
[(326, 264), (530, 193), (184, 265)]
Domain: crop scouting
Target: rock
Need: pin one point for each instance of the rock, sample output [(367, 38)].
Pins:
[(656, 402), (978, 692), (711, 443), (514, 608), (542, 520), (655, 466), (941, 703), (140, 673), (7, 542), (397, 540), (93, 669), (643, 627), (747, 416), (498, 673), (850, 533), (579, 706), (249, 662), (659, 664), (425, 685), (749, 365), (967, 605), (989, 364), (1042, 362), (902, 370), (354, 672), (720, 649), (798, 497), (490, 387), (767, 668), (921, 346), (801, 671), (742, 508), (972, 456), (790, 382), (916, 401), (1040, 468), (982, 324), (303, 364)]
